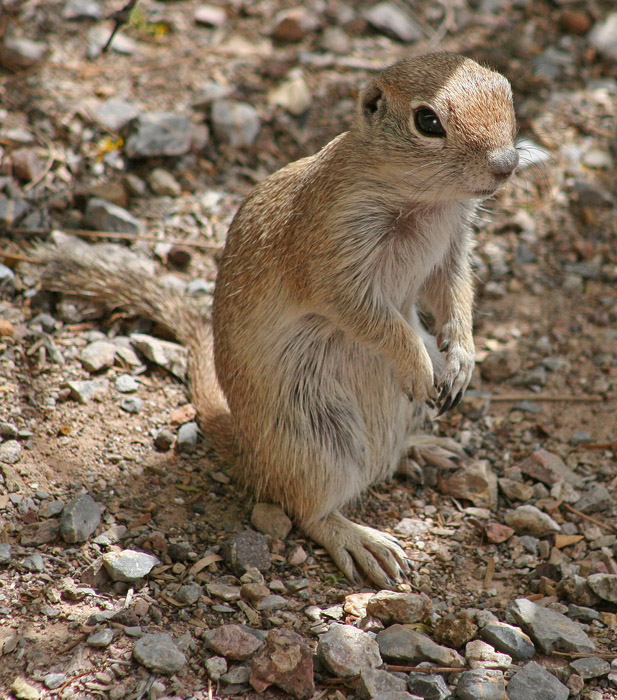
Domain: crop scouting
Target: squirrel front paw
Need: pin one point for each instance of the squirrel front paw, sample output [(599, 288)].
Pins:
[(456, 373), (419, 382)]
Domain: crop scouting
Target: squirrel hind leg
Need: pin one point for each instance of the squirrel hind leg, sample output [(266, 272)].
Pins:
[(361, 551), (439, 452)]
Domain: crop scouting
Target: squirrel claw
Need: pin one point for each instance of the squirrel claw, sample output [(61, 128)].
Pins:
[(457, 399)]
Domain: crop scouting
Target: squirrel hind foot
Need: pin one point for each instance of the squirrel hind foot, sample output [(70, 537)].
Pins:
[(422, 450), (360, 551)]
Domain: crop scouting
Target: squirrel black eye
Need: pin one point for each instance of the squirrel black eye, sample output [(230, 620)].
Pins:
[(427, 122)]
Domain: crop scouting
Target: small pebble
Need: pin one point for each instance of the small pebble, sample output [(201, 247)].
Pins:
[(131, 404), (189, 594), (5, 553), (159, 653), (236, 123), (271, 520), (245, 550), (153, 134), (271, 602), (101, 215), (487, 684), (126, 384), (54, 680), (163, 440), (163, 183), (10, 452), (98, 356), (87, 390), (604, 586), (34, 562), (100, 639), (129, 565), (187, 437), (529, 520), (216, 666), (294, 24), (210, 16), (80, 518), (388, 18)]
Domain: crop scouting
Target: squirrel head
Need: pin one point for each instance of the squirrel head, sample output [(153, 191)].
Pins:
[(442, 124)]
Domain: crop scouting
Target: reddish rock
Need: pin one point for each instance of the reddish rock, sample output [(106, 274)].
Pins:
[(40, 533), (549, 469), (500, 365), (294, 24), (575, 21), (475, 482), (26, 164), (496, 533), (285, 661), (404, 608), (233, 642)]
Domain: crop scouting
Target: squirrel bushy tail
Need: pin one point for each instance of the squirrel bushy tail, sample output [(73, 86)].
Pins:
[(118, 277)]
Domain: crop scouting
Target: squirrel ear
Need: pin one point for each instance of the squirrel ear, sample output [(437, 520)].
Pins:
[(372, 100)]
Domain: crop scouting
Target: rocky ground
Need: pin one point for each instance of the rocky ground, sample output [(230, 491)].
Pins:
[(130, 565)]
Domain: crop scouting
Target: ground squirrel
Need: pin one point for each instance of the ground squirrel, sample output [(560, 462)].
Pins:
[(323, 368)]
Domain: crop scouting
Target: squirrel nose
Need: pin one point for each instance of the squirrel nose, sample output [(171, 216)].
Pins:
[(502, 163)]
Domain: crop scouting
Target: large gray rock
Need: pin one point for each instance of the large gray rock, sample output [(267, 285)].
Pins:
[(591, 667), (80, 518), (158, 134), (533, 682), (429, 686), (402, 644), (549, 629), (346, 650), (481, 683), (604, 586), (509, 639), (373, 682), (158, 653)]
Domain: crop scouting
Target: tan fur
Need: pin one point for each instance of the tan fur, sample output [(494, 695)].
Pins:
[(317, 342)]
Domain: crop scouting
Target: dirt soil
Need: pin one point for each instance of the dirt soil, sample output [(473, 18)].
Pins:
[(546, 263)]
